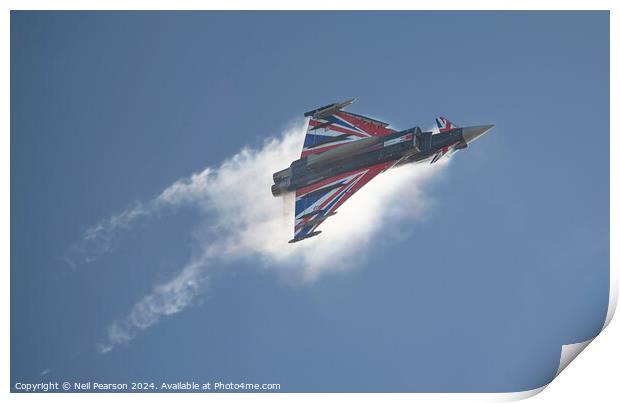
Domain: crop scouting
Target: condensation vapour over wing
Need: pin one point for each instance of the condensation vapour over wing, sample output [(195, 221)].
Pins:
[(242, 219)]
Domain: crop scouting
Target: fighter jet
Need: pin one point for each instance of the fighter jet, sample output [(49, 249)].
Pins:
[(343, 151)]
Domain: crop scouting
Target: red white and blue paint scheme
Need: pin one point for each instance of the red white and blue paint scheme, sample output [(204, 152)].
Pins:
[(343, 151)]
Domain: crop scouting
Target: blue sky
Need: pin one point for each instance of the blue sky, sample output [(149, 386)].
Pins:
[(509, 260)]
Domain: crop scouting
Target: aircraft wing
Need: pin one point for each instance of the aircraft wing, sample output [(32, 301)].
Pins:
[(316, 202), (330, 127)]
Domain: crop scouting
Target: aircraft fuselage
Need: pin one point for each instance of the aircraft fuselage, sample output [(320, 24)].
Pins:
[(403, 147)]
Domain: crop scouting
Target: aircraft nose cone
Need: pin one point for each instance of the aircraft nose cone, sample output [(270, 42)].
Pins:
[(473, 132)]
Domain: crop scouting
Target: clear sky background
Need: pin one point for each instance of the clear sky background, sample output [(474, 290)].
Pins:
[(511, 262)]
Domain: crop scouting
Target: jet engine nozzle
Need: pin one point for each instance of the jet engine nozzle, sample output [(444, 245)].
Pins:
[(276, 190), (282, 175)]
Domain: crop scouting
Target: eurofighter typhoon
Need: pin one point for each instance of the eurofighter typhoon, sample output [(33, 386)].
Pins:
[(343, 151)]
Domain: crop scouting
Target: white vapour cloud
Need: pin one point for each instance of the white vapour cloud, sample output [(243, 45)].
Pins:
[(164, 300), (243, 219)]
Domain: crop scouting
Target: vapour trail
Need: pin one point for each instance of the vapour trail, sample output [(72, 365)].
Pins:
[(242, 219)]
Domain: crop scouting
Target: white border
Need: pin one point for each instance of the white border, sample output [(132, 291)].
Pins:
[(568, 352), (310, 5)]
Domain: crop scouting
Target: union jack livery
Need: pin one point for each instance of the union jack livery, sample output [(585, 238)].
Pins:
[(343, 151), (443, 125)]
